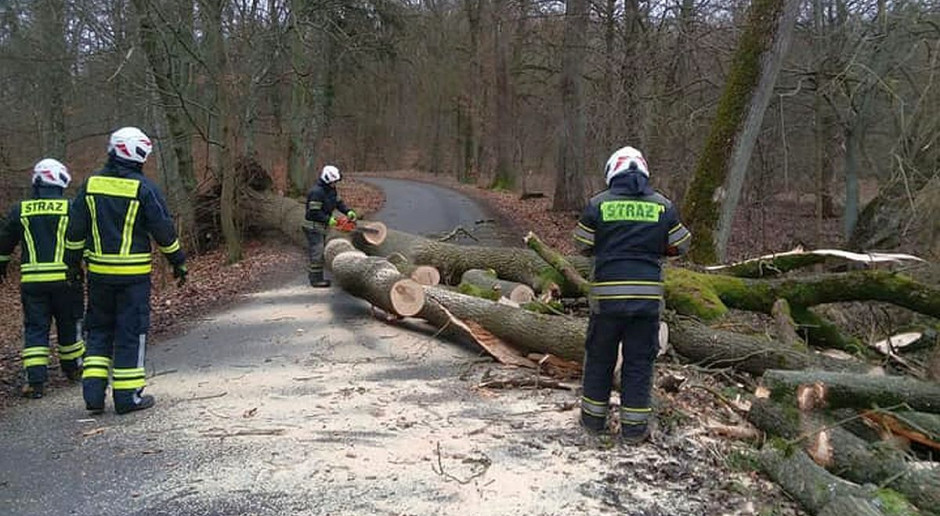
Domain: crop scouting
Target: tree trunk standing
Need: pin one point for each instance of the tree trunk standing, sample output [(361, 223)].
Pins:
[(610, 76), (505, 177), (170, 68), (853, 137), (299, 157), (219, 72), (719, 176), (54, 76), (818, 119), (469, 100), (629, 126), (569, 184)]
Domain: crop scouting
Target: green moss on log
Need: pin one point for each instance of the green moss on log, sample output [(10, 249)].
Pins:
[(691, 293)]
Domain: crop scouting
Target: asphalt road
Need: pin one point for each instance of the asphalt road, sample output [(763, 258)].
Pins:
[(298, 402)]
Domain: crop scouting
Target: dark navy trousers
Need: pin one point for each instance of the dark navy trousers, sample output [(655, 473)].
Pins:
[(117, 322), (43, 303), (638, 338)]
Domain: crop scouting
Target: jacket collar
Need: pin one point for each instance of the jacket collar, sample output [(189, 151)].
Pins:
[(631, 183), (122, 167)]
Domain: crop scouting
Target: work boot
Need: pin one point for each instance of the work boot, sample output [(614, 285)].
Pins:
[(633, 435), (33, 391), (73, 374), (93, 390), (139, 403), (592, 424), (317, 280)]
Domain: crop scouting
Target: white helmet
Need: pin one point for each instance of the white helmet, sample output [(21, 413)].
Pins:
[(50, 172), (330, 174), (623, 160), (130, 143)]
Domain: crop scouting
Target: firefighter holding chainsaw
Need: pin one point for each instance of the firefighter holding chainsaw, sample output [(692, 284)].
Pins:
[(322, 201)]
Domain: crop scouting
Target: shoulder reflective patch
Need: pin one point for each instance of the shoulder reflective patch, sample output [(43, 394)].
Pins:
[(635, 211), (44, 207), (113, 186)]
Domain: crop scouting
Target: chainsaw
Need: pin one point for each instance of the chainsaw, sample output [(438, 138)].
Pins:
[(346, 225)]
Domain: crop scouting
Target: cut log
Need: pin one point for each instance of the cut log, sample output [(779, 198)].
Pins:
[(491, 287), (809, 483), (857, 390), (850, 456), (423, 274), (373, 279)]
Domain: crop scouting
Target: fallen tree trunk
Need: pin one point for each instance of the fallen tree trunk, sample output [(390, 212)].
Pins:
[(485, 284), (697, 343), (857, 390), (530, 332), (813, 486), (847, 455)]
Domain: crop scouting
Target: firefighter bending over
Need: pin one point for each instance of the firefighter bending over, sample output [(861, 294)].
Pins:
[(628, 228)]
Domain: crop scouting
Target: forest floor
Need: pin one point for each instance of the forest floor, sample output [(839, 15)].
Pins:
[(212, 284)]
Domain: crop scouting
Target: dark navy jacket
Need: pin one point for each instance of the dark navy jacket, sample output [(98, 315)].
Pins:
[(116, 212), (321, 201), (40, 224), (629, 228)]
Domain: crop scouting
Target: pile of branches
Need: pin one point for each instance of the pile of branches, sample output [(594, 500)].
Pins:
[(844, 437)]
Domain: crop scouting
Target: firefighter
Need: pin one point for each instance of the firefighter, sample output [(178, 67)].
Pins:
[(322, 200), (40, 223), (114, 216), (628, 228)]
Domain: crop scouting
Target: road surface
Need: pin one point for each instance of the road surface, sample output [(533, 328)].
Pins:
[(298, 402)]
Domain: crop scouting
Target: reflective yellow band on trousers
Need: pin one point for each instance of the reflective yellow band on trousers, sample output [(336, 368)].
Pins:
[(119, 270), (73, 351), (35, 356)]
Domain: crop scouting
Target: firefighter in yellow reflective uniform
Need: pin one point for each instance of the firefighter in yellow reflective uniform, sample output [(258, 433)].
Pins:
[(114, 216), (40, 225)]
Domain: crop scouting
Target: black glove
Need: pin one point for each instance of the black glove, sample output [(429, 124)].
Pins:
[(75, 276), (3, 270), (180, 272)]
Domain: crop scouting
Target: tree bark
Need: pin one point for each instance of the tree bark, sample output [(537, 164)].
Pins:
[(858, 390), (716, 185), (813, 486)]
